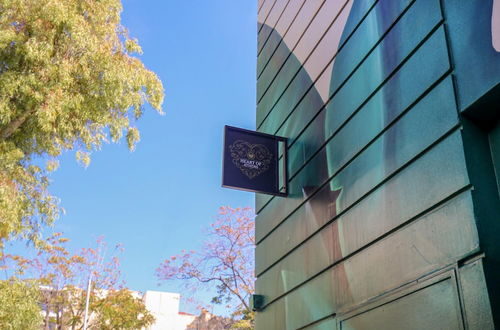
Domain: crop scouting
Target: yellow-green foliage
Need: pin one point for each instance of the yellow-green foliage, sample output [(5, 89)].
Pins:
[(68, 79), (120, 310), (19, 308), (246, 321)]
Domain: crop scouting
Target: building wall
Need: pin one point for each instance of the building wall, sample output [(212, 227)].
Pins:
[(391, 113), (165, 308)]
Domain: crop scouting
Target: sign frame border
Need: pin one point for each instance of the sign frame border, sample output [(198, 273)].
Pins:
[(284, 170)]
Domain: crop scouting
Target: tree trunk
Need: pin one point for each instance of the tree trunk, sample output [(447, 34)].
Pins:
[(7, 131), (58, 318), (47, 312)]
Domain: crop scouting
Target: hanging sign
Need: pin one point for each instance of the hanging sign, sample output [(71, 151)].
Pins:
[(252, 161)]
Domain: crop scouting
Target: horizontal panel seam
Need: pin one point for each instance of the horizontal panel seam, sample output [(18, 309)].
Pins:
[(307, 58), (353, 71), (353, 114), (445, 278), (445, 272), (348, 119), (261, 5), (267, 16), (450, 56), (283, 39), (350, 160), (403, 225), (437, 276), (301, 64), (341, 46), (324, 106), (369, 192), (272, 27), (318, 321), (331, 97)]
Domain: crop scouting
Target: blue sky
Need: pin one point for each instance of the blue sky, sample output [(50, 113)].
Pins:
[(157, 199)]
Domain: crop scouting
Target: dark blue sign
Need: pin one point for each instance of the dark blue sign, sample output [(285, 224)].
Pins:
[(251, 161)]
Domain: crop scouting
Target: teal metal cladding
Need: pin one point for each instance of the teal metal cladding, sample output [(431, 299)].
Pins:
[(391, 111)]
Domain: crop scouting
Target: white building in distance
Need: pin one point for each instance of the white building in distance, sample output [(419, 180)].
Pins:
[(165, 308)]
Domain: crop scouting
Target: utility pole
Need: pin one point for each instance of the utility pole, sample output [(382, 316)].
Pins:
[(87, 300), (86, 318)]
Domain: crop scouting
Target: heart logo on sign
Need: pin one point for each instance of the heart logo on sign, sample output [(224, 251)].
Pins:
[(251, 159)]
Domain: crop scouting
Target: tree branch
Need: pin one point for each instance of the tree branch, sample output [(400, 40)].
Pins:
[(7, 131)]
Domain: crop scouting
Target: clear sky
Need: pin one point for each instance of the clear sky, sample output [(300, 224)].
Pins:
[(157, 199)]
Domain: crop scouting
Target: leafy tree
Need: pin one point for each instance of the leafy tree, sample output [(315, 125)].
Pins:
[(69, 79), (64, 278), (121, 310), (246, 321), (225, 262), (19, 308)]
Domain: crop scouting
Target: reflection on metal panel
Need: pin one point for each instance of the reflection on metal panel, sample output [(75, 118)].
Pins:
[(409, 253), (386, 102), (381, 189), (414, 128), (434, 307)]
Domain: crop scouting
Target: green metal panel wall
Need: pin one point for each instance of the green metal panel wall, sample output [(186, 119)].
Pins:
[(380, 230)]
